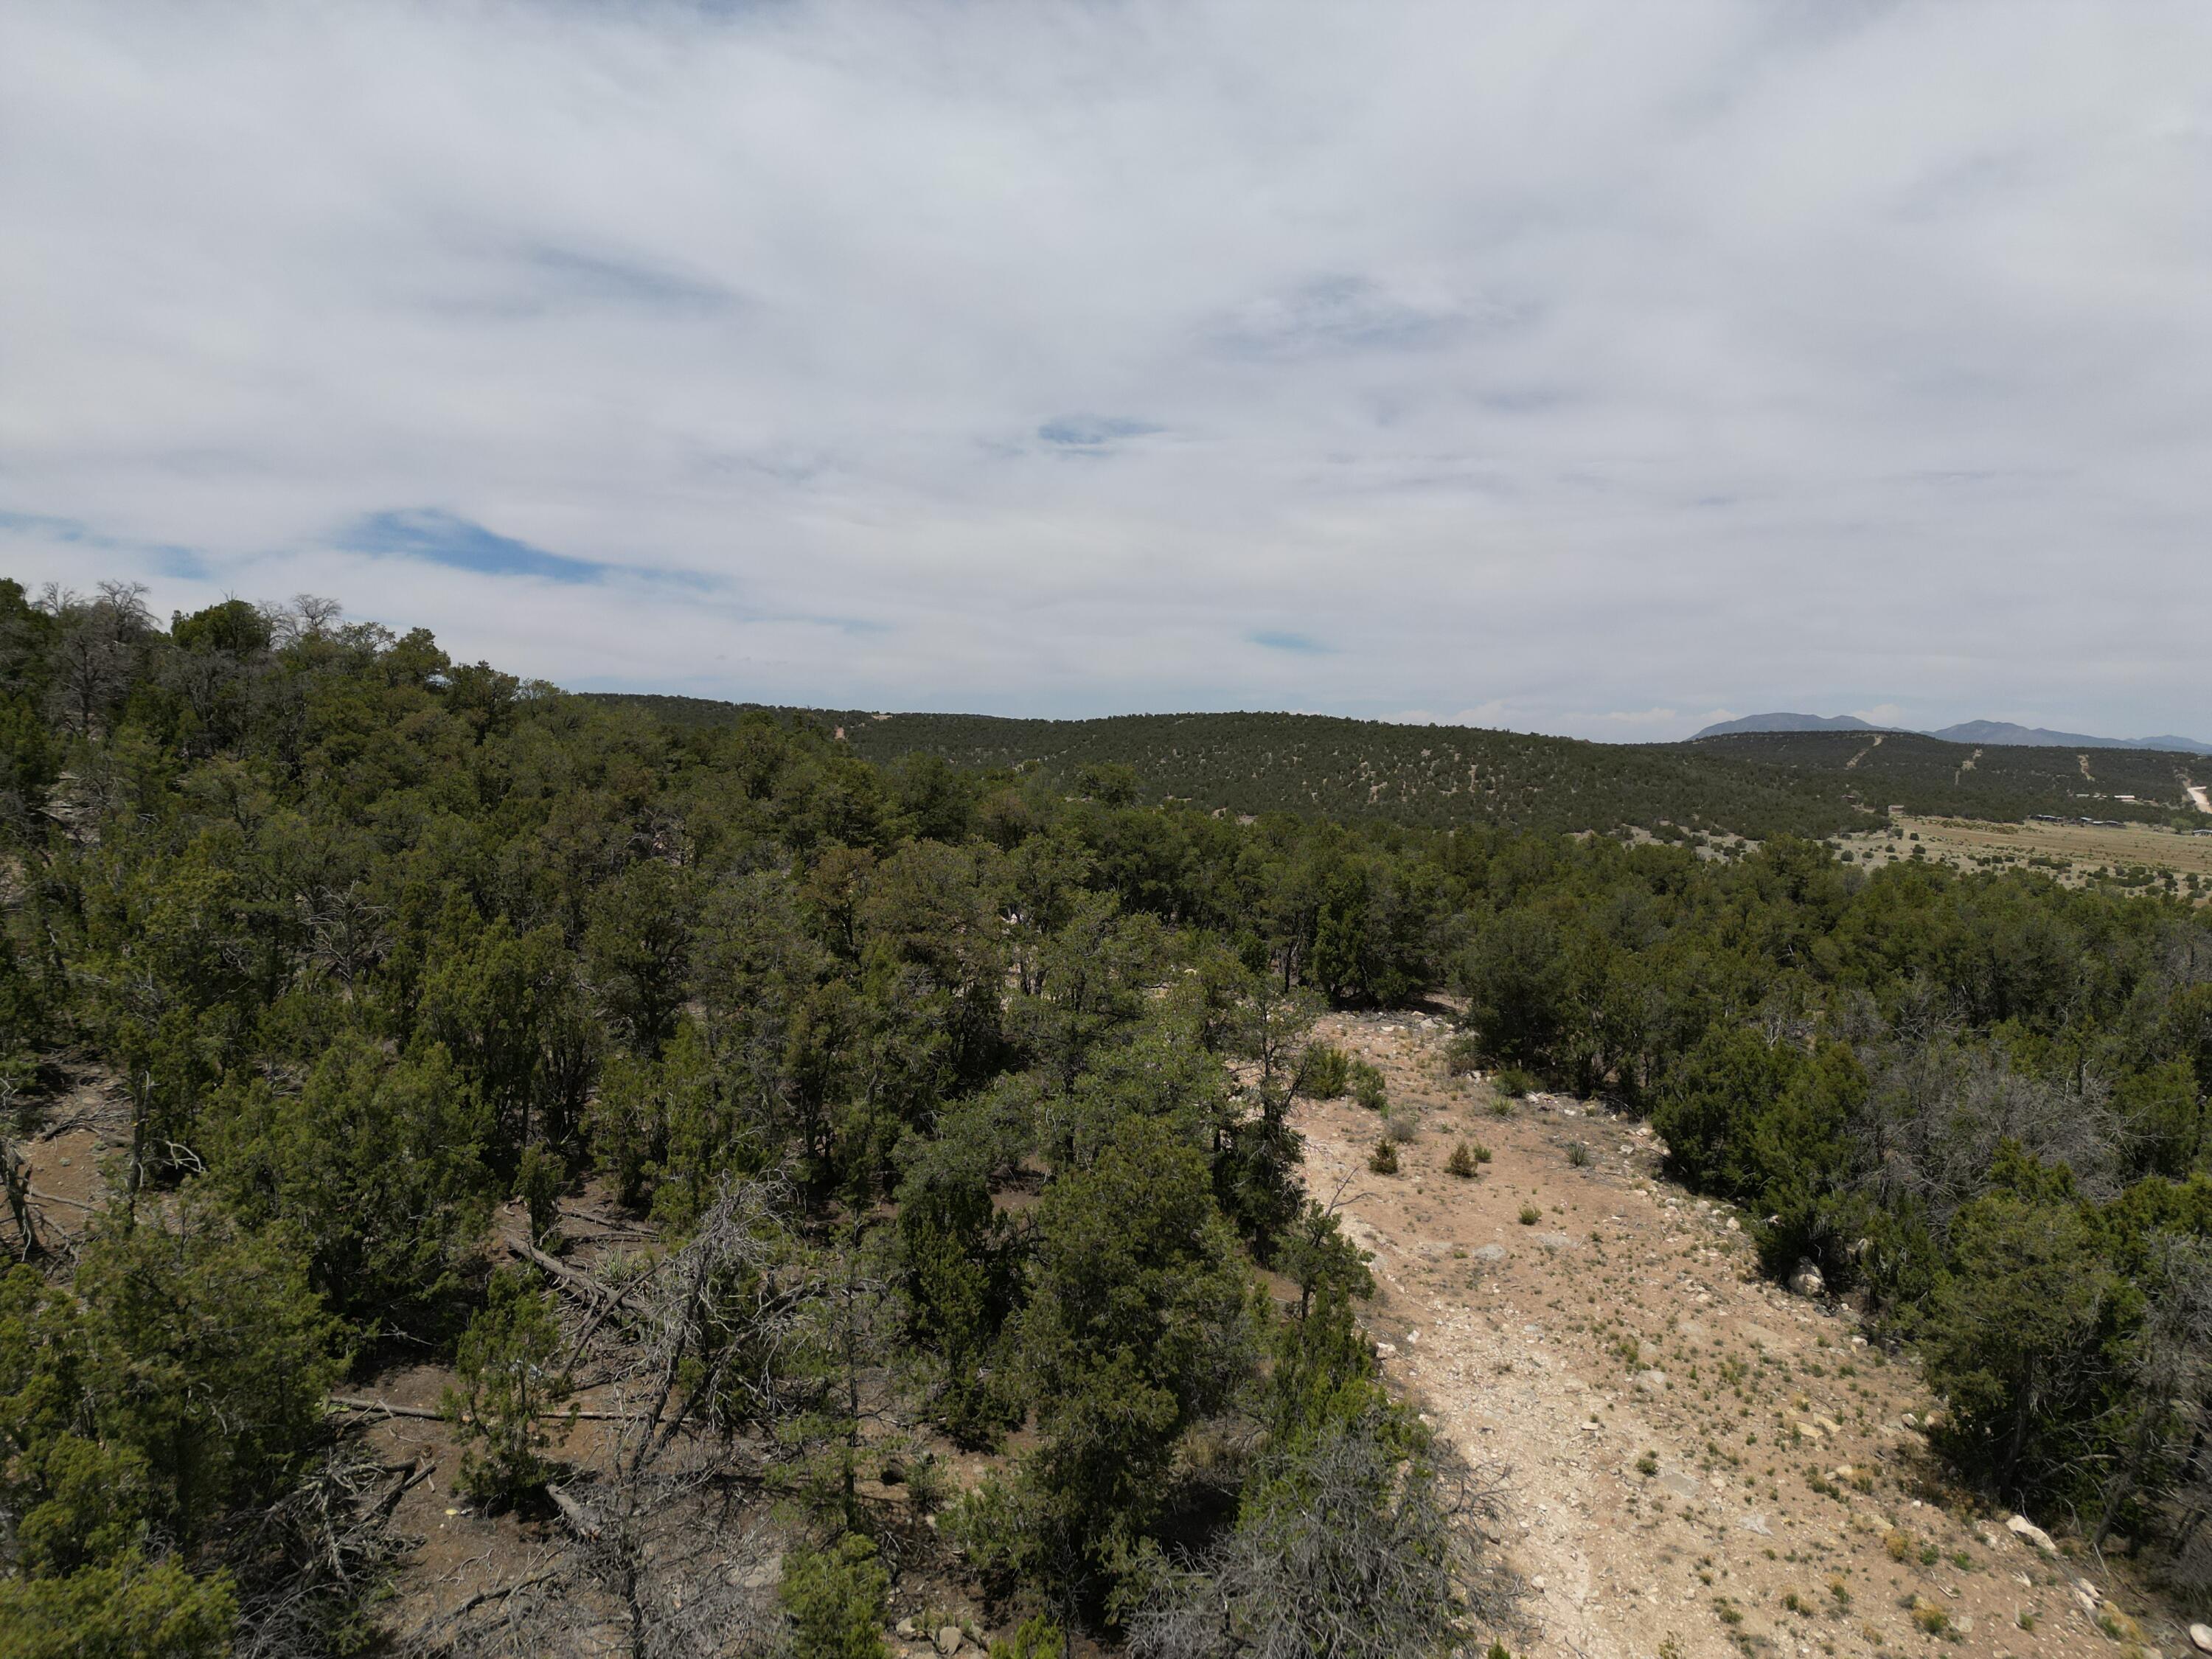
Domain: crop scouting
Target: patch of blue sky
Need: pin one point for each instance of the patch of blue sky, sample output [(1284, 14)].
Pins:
[(1282, 640), (443, 539), (168, 559), (570, 274), (1093, 431), (436, 536)]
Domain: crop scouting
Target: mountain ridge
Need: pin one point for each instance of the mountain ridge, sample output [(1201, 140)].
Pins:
[(2006, 732)]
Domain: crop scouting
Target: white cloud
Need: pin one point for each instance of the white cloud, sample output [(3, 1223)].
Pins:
[(1536, 357)]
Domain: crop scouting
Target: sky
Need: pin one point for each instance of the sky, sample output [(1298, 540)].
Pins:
[(1603, 369)]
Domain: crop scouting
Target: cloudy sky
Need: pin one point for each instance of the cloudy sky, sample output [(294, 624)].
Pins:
[(1597, 368)]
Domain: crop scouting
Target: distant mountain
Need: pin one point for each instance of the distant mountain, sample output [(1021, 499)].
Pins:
[(2004, 731), (1978, 732), (1787, 723)]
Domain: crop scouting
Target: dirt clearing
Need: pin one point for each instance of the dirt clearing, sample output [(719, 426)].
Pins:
[(1699, 1463), (2068, 853)]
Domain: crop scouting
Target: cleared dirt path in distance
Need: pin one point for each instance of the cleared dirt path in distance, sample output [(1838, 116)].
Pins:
[(1692, 1456)]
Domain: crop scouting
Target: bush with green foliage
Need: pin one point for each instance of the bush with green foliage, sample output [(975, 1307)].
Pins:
[(1368, 1087), (834, 1599), (510, 1388), (1463, 1056), (374, 940), (1324, 1072)]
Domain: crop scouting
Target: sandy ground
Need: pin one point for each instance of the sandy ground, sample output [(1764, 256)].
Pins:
[(2079, 849), (1697, 1463)]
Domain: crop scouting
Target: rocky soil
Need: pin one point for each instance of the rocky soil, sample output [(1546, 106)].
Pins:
[(1698, 1462)]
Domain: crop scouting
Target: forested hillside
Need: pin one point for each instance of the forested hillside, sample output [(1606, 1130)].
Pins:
[(1754, 785), (1930, 776), (947, 1108)]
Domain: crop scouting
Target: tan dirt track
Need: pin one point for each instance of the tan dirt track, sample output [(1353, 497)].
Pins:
[(1669, 1498)]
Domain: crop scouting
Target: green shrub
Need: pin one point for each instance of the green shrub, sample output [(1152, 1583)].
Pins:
[(125, 1607), (1367, 1087), (507, 1387), (1461, 1162), (539, 1179), (835, 1599), (1383, 1160), (1513, 1081), (1324, 1072), (1037, 1638), (1578, 1155), (1530, 1215)]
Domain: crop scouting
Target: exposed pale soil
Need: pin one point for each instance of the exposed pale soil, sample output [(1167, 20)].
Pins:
[(1741, 1394), (2083, 848)]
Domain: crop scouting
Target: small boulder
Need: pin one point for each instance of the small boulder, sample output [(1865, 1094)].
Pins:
[(2020, 1526), (1807, 1280), (948, 1640), (2200, 1638)]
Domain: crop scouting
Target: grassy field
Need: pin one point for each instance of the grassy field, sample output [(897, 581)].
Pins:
[(2139, 856)]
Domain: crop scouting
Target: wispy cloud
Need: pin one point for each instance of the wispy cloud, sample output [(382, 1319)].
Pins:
[(1557, 363)]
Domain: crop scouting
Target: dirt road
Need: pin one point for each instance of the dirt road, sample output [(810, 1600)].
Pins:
[(1700, 1464)]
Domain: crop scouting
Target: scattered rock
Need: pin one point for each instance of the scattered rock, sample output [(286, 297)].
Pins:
[(948, 1640), (904, 1627), (1752, 1521), (2200, 1638), (1555, 1241), (2020, 1526), (1684, 1486), (764, 1575), (1491, 1252), (1386, 1350), (1651, 1381), (1807, 1280)]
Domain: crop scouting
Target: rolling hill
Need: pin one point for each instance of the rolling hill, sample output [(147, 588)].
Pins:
[(1755, 783)]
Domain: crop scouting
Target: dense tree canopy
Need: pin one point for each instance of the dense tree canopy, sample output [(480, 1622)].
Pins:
[(972, 1078)]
